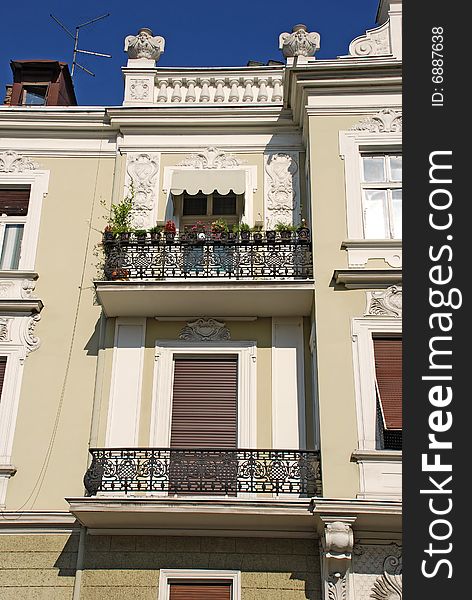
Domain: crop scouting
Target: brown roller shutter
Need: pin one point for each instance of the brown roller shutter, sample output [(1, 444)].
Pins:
[(3, 366), (388, 369), (200, 591), (205, 403), (14, 202)]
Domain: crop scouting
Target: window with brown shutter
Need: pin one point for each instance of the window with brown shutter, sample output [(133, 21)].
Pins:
[(14, 202), (202, 590), (204, 415), (3, 366), (388, 371)]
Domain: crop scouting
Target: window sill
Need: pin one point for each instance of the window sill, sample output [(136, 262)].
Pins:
[(376, 456)]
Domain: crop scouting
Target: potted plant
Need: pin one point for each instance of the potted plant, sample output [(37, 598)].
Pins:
[(244, 232), (303, 233), (257, 233), (197, 232), (285, 230), (141, 235), (271, 235), (169, 231), (108, 235), (120, 220), (219, 230), (155, 233)]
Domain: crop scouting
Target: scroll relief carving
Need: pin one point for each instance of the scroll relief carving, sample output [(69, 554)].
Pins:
[(4, 329), (385, 303), (282, 200), (375, 42), (144, 45), (206, 330), (385, 121), (300, 42), (139, 89), (11, 162), (211, 158), (142, 171), (30, 340), (389, 585)]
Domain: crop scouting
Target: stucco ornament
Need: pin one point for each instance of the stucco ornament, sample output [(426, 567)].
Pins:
[(11, 162), (337, 543), (144, 45), (142, 171), (211, 158), (206, 330), (30, 340), (281, 192), (385, 121), (375, 42), (4, 329), (386, 303), (300, 42), (389, 585)]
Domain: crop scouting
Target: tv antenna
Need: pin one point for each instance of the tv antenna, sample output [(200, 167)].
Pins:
[(76, 43)]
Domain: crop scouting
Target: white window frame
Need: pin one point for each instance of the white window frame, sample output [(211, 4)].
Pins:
[(353, 145), (161, 414), (380, 471), (38, 182), (168, 575)]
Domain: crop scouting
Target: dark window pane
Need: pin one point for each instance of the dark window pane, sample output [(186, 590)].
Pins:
[(14, 202), (35, 95), (224, 205), (195, 205)]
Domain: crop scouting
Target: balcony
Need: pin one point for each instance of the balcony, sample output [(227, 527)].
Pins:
[(147, 276), (209, 471)]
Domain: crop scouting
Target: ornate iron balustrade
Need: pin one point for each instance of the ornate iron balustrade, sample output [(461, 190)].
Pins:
[(208, 471), (257, 257)]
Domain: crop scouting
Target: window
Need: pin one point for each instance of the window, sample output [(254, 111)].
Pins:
[(34, 95), (209, 207), (199, 584), (382, 196), (3, 366), (14, 204), (388, 386), (200, 590)]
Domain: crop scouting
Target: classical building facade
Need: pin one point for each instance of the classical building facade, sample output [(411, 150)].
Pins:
[(200, 329)]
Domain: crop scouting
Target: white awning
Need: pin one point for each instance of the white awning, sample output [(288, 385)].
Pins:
[(207, 181)]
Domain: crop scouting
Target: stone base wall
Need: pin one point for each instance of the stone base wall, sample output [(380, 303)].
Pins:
[(124, 567)]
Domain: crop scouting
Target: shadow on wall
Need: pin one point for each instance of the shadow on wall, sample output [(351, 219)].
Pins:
[(268, 566)]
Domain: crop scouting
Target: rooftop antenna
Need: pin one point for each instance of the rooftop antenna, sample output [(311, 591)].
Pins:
[(76, 43)]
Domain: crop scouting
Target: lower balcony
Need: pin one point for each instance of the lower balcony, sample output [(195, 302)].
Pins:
[(200, 489), (144, 277)]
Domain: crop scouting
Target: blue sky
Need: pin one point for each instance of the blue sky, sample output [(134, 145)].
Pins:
[(197, 33)]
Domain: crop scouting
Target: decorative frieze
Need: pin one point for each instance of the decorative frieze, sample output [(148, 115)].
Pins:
[(282, 203), (385, 121), (375, 42), (11, 162), (144, 45), (300, 42), (211, 158), (142, 171), (206, 330), (385, 303)]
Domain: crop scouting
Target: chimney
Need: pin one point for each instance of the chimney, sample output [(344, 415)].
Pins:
[(40, 83)]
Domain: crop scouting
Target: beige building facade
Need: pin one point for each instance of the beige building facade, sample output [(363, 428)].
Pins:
[(200, 331)]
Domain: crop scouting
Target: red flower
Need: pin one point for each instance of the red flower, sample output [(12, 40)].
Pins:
[(170, 227)]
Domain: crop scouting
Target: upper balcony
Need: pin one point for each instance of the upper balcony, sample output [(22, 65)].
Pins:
[(172, 275)]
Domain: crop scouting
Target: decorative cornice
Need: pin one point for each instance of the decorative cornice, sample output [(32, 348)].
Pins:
[(300, 42), (389, 585), (211, 158), (11, 162), (144, 45), (207, 330), (385, 121), (375, 42), (387, 303), (365, 278)]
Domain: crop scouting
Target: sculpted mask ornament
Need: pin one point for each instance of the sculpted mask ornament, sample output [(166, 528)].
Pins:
[(205, 330), (144, 45), (300, 42)]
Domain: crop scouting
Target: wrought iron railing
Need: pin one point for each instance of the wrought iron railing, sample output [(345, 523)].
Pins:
[(257, 256), (204, 471)]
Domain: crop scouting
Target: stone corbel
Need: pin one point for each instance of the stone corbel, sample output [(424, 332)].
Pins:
[(336, 544)]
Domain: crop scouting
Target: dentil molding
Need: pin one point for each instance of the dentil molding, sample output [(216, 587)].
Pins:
[(385, 303), (385, 121), (300, 42), (206, 330), (11, 162)]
